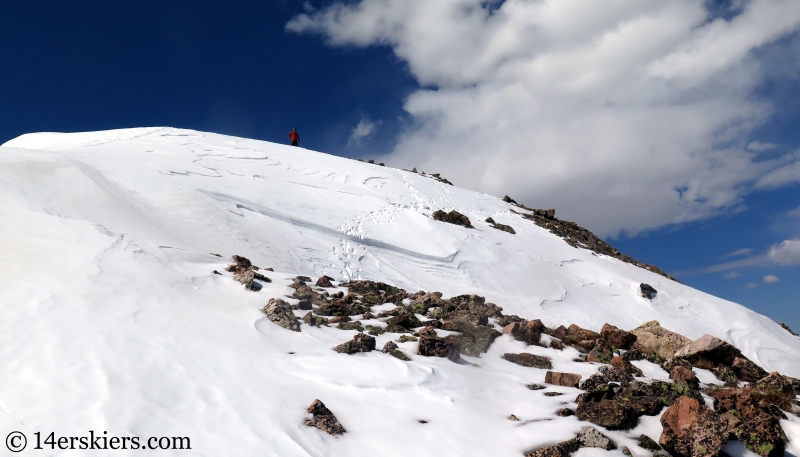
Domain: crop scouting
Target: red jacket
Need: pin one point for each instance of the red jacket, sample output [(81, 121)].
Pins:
[(294, 136)]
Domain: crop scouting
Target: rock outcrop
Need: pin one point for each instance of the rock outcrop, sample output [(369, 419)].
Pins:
[(616, 337), (453, 217), (652, 338), (708, 351), (431, 345), (529, 360)]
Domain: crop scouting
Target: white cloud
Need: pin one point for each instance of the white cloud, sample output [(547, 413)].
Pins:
[(753, 285), (738, 252), (786, 253), (364, 129), (768, 279), (613, 112), (731, 275), (758, 146), (794, 213)]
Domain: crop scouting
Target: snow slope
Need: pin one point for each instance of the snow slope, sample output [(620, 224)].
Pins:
[(112, 320)]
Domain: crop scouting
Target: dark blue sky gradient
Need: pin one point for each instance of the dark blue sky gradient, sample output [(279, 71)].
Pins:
[(230, 67)]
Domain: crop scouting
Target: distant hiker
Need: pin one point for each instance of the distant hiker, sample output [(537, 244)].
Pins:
[(295, 137)]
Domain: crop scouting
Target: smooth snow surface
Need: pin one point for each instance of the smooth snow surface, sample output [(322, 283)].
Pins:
[(113, 321)]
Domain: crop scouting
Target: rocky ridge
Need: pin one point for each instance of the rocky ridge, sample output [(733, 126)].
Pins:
[(748, 407)]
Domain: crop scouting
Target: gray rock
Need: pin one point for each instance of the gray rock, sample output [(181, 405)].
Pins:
[(652, 338), (280, 312), (589, 437)]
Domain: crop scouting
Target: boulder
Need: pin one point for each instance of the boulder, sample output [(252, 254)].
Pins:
[(621, 363), (316, 321), (565, 412), (323, 419), (589, 437), (616, 337), (691, 430), (601, 353), (360, 343), (562, 379), (280, 312), (563, 449), (746, 370), (476, 340), (577, 334), (406, 320), (645, 442), (324, 281), (392, 349), (607, 413), (680, 373), (529, 332), (652, 338), (433, 346), (708, 351), (529, 360), (763, 436), (647, 291), (606, 375), (453, 217)]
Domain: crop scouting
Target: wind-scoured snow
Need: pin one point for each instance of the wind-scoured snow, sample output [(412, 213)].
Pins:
[(113, 321)]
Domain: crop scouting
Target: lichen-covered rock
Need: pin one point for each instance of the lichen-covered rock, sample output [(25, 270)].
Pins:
[(350, 326), (645, 442), (316, 321), (323, 419), (652, 338), (590, 437), (392, 349), (601, 352), (280, 312), (607, 413), (605, 375), (405, 338), (565, 412), (616, 337), (562, 379), (360, 343), (529, 360), (563, 449), (406, 320), (431, 345), (621, 363), (691, 430), (763, 436), (746, 370), (708, 351)]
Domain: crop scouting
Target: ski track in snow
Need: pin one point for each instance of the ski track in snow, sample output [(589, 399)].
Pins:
[(112, 320)]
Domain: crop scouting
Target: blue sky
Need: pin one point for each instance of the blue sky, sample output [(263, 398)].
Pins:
[(679, 153)]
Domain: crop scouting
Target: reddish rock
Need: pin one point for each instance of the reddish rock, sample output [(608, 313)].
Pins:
[(617, 337), (625, 365), (746, 370), (562, 379), (691, 430), (324, 281), (529, 332), (577, 334), (682, 374)]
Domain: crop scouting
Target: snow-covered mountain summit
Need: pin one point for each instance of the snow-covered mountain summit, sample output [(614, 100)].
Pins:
[(111, 318)]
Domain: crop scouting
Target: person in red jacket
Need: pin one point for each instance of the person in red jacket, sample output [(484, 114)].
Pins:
[(295, 137)]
